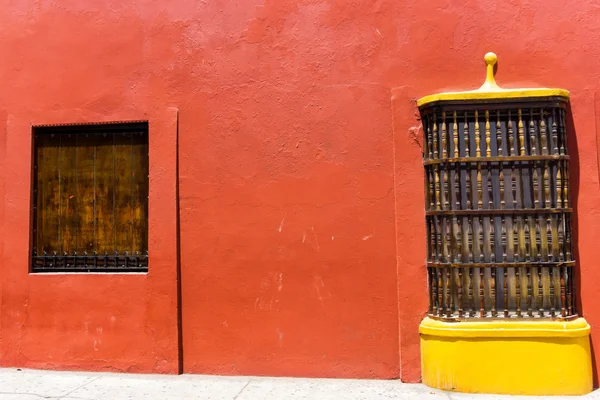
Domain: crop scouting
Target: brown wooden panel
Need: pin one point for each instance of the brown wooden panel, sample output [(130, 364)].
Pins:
[(68, 192), (91, 196), (104, 188), (48, 192), (86, 152), (123, 193), (140, 192)]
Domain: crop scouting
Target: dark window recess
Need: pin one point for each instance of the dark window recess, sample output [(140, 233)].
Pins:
[(90, 198)]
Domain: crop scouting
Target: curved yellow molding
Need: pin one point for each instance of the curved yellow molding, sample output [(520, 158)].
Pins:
[(534, 357), (490, 90), (504, 329)]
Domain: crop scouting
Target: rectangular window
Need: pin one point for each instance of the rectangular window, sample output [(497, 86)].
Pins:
[(90, 198)]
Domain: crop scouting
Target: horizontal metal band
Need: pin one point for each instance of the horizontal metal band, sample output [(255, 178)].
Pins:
[(522, 264), (498, 159), (92, 269), (501, 105), (493, 212), (513, 318), (91, 263)]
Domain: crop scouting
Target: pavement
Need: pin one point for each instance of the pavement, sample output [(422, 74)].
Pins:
[(35, 385)]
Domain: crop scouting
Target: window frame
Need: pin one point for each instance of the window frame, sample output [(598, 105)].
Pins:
[(104, 262)]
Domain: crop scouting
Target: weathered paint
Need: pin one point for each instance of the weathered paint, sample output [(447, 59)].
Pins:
[(300, 187)]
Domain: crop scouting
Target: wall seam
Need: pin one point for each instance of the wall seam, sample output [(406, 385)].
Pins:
[(178, 249), (396, 237)]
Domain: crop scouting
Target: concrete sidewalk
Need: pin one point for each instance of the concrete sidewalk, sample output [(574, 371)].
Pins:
[(35, 385)]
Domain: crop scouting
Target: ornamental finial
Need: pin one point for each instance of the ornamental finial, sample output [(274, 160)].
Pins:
[(490, 82), (491, 91)]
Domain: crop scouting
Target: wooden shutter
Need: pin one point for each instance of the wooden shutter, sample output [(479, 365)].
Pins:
[(90, 198)]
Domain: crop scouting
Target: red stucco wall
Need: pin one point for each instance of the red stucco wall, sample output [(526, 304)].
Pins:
[(302, 234), (115, 322)]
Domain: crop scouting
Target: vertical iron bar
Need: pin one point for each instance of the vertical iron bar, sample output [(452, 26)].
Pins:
[(535, 190), (481, 294), (457, 200), (431, 290), (460, 293), (529, 292), (552, 297), (446, 177), (521, 133), (554, 133), (499, 134), (466, 135), (563, 297), (431, 180), (440, 289), (501, 179), (488, 138), (540, 299), (532, 135), (448, 293), (493, 290), (437, 187), (490, 187), (518, 290), (479, 188), (471, 294), (505, 292), (568, 233), (455, 135), (570, 293), (469, 191), (559, 189), (563, 131), (511, 135), (435, 137), (470, 238), (444, 136), (547, 195), (543, 133), (477, 136), (429, 140)]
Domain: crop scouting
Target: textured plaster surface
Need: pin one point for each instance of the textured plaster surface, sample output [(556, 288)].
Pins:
[(103, 322), (302, 216)]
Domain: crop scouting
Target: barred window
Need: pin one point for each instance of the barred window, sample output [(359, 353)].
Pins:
[(498, 211), (90, 198)]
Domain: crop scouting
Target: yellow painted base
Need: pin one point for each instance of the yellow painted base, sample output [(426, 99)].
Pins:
[(507, 357)]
